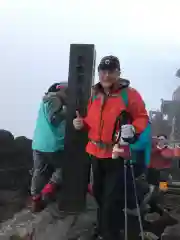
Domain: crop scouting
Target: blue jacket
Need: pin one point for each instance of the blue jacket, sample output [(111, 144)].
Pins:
[(48, 136)]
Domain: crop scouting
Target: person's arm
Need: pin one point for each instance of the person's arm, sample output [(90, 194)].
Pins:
[(54, 111), (155, 149), (137, 110)]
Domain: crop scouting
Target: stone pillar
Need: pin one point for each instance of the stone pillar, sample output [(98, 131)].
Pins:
[(76, 164)]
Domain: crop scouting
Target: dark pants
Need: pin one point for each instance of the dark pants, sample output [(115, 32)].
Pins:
[(154, 176), (108, 188), (47, 168)]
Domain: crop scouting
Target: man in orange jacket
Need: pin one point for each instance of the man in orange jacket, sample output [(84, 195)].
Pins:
[(104, 107)]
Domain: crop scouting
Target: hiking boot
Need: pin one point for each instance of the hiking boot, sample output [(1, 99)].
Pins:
[(49, 192), (37, 204)]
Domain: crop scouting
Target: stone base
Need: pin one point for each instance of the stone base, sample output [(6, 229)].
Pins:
[(28, 226), (49, 224), (171, 233)]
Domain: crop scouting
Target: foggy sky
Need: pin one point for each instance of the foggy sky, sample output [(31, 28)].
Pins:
[(34, 48)]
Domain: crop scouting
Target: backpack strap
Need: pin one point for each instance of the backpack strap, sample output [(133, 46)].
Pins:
[(124, 96), (94, 97)]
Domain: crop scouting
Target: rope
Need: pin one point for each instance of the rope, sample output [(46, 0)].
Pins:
[(125, 202)]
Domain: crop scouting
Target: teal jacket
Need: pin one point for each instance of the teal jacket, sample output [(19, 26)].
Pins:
[(48, 137)]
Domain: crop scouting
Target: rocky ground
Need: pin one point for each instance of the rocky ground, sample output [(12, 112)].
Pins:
[(49, 224), (52, 224), (11, 202)]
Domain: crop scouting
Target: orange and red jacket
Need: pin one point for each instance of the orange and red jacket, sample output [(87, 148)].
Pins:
[(102, 114)]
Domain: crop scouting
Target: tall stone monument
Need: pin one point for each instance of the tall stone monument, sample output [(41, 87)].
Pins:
[(76, 164)]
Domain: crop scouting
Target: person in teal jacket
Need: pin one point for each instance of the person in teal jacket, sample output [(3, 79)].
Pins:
[(48, 145)]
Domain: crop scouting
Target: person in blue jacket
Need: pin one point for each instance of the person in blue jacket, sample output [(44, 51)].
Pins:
[(48, 146)]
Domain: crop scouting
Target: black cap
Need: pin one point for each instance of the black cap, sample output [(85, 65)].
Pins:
[(57, 86), (109, 63)]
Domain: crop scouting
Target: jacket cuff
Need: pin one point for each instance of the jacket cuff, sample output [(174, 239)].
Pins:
[(131, 140)]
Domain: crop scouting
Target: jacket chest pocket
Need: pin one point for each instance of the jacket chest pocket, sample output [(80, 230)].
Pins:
[(94, 115)]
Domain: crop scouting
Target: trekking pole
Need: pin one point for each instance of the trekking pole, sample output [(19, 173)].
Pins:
[(122, 119), (125, 202), (137, 203), (116, 137)]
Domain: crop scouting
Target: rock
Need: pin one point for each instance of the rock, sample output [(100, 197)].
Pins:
[(15, 161), (6, 150), (23, 148), (10, 203), (6, 141), (44, 226), (15, 164), (171, 233), (23, 145)]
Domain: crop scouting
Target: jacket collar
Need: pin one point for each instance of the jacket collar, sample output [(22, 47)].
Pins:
[(121, 83)]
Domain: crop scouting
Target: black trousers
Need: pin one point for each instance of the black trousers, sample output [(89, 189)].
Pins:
[(154, 176), (108, 188)]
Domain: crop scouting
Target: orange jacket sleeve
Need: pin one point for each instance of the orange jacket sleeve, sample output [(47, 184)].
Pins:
[(137, 110)]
